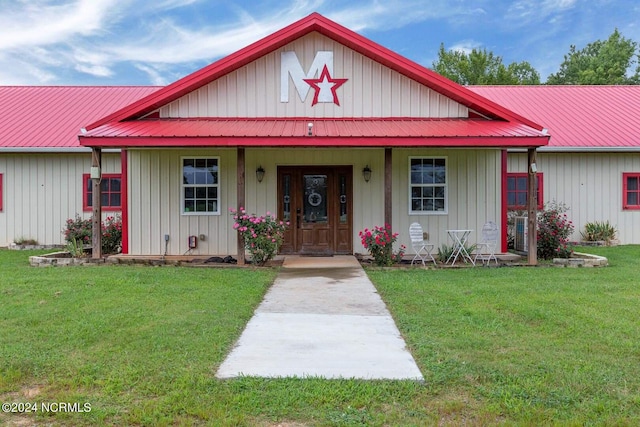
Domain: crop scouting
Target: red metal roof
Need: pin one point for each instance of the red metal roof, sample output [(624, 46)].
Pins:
[(326, 132), (577, 117), (50, 117), (314, 23)]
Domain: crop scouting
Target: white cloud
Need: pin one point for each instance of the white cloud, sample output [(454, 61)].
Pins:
[(42, 23)]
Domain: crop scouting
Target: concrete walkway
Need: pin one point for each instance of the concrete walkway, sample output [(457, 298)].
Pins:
[(321, 318)]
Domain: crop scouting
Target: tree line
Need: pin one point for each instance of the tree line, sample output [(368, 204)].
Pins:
[(603, 62)]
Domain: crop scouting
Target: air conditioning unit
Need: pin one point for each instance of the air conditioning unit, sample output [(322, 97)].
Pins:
[(522, 230)]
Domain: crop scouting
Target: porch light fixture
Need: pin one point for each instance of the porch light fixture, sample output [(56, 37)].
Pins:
[(534, 168), (310, 129), (260, 173), (366, 173)]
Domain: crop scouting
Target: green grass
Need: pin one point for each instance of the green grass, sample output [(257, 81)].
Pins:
[(514, 346)]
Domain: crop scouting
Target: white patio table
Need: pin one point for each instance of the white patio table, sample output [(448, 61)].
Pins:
[(459, 238)]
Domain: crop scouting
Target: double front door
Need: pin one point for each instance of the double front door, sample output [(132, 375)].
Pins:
[(317, 202)]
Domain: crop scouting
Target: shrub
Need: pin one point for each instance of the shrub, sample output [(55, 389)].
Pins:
[(79, 231), (262, 235), (23, 241), (112, 235), (554, 229), (379, 242), (599, 231)]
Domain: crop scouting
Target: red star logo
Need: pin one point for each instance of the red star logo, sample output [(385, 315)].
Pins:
[(325, 87)]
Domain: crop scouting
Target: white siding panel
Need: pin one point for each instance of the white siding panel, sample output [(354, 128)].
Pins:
[(473, 192), (372, 90), (42, 191), (590, 184), (155, 179)]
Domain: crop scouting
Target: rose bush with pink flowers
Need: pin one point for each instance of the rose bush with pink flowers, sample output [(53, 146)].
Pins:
[(554, 229), (379, 242), (262, 235)]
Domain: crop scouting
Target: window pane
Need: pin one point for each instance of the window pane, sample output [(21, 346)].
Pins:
[(189, 176), (115, 184), (105, 199), (439, 204), (511, 199), (521, 199), (115, 199), (439, 192), (632, 198), (416, 191), (632, 183), (200, 180), (521, 183), (511, 183), (416, 204), (104, 184)]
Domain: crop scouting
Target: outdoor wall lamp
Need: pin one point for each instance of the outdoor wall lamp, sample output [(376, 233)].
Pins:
[(310, 129), (366, 173), (260, 173)]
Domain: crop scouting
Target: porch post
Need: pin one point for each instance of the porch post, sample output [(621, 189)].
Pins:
[(387, 186), (240, 198), (532, 205), (96, 202)]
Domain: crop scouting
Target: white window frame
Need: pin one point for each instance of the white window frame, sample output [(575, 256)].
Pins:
[(445, 185), (183, 185)]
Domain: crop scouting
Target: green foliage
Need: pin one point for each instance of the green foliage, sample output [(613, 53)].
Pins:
[(79, 231), (262, 235), (554, 229), (75, 248), (600, 63), (599, 231), (480, 67), (25, 241), (379, 242), (445, 251)]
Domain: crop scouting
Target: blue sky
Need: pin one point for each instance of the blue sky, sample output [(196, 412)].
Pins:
[(140, 42)]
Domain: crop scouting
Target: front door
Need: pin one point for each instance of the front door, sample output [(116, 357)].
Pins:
[(316, 200)]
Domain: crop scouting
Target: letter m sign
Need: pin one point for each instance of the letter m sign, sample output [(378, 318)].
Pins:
[(290, 66)]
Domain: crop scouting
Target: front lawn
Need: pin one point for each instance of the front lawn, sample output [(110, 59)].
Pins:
[(141, 345)]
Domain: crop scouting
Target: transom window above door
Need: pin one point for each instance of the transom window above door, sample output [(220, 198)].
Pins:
[(427, 185), (200, 186)]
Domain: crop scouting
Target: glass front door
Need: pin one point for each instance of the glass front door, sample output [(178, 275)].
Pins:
[(317, 202)]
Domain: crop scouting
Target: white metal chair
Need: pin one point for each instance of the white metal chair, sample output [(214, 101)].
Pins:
[(421, 247), (486, 248)]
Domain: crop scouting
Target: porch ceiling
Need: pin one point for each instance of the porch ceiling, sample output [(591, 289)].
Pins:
[(361, 132)]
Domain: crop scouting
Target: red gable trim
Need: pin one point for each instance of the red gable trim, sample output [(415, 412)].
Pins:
[(334, 31)]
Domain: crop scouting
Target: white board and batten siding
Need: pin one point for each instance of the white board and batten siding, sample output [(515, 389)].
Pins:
[(155, 194), (42, 191), (473, 194), (590, 184), (372, 90), (155, 207)]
